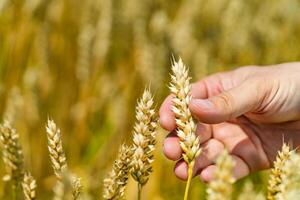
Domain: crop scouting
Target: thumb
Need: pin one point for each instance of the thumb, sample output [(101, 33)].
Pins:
[(228, 104)]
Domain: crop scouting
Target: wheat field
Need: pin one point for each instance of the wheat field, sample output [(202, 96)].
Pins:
[(84, 64)]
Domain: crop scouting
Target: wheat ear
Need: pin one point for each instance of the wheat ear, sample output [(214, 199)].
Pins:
[(12, 156), (59, 164), (56, 152), (248, 193), (190, 144), (115, 183), (275, 178), (144, 139), (29, 187), (220, 188), (67, 187), (289, 188)]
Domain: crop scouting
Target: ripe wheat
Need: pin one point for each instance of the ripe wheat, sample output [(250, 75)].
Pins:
[(115, 183), (186, 127), (144, 139), (56, 152), (220, 188), (12, 153), (67, 185), (275, 179), (29, 186)]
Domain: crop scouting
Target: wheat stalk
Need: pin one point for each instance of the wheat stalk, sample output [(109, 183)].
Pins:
[(144, 139), (115, 183), (29, 186), (220, 188), (275, 179), (12, 156), (190, 144)]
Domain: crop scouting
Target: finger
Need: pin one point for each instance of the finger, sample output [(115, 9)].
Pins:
[(240, 170), (166, 115), (171, 148), (199, 89), (211, 149), (204, 131), (245, 145), (228, 104)]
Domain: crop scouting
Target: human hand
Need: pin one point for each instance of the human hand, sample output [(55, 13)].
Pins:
[(250, 111)]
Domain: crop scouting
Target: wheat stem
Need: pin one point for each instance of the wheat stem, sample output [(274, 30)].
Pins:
[(189, 180), (140, 187)]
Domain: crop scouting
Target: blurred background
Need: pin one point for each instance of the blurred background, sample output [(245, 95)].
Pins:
[(84, 63)]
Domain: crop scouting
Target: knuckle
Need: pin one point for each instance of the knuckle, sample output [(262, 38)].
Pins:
[(225, 102)]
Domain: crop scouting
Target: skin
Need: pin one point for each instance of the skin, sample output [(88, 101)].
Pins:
[(250, 111)]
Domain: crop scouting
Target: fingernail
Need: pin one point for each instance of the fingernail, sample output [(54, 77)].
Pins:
[(203, 103)]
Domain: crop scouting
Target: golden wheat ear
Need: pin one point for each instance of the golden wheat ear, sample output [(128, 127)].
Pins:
[(249, 193), (55, 148), (12, 153), (180, 87), (287, 185), (220, 188), (29, 187), (144, 140), (115, 183), (12, 156), (275, 179), (67, 184)]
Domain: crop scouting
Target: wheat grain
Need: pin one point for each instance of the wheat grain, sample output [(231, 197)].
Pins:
[(29, 186), (190, 144), (114, 184), (275, 179), (56, 152), (220, 188)]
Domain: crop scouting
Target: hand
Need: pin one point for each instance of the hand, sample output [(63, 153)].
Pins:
[(250, 111)]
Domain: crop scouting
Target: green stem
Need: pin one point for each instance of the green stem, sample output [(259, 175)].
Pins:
[(188, 183), (139, 191)]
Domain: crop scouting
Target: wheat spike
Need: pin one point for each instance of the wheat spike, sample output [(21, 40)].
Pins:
[(144, 139), (220, 188), (275, 179), (76, 188), (56, 152), (68, 184), (289, 186), (114, 184), (29, 187), (190, 144), (186, 127), (248, 193), (12, 153), (68, 187)]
